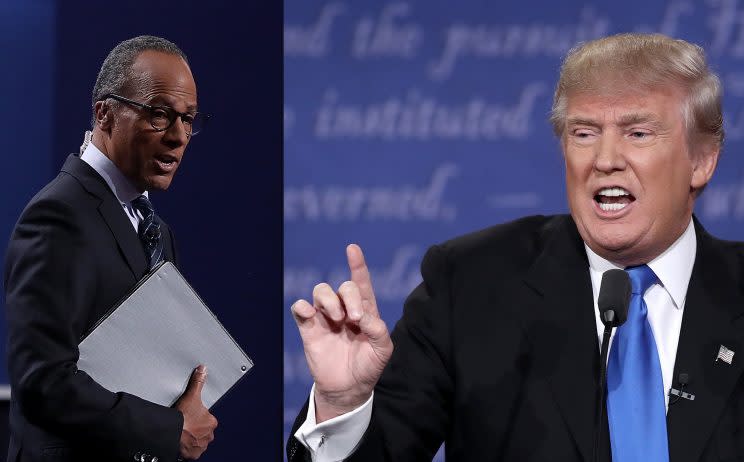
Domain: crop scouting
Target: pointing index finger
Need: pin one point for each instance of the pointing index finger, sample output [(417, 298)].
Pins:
[(360, 276)]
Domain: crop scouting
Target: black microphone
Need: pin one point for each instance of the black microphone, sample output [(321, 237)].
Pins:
[(614, 297), (680, 393), (613, 301)]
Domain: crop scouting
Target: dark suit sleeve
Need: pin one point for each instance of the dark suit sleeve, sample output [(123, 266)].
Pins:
[(50, 283), (412, 404)]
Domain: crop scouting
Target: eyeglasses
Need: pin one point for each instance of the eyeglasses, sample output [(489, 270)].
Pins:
[(163, 117)]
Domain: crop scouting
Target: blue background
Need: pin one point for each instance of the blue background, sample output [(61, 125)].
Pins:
[(410, 122), (224, 204)]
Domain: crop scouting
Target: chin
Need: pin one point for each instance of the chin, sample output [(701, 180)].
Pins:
[(621, 248), (161, 186), (609, 237), (613, 245), (615, 236), (158, 183)]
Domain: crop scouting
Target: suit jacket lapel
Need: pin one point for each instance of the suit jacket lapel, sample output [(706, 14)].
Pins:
[(712, 317), (111, 212), (560, 277)]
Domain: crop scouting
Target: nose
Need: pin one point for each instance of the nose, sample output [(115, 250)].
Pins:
[(609, 155), (177, 134)]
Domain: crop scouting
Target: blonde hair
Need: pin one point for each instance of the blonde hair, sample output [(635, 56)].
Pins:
[(648, 61)]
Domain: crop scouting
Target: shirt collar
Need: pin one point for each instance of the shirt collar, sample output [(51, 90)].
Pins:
[(673, 267), (122, 188)]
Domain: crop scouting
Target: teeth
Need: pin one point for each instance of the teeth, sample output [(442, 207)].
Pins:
[(613, 192), (611, 207)]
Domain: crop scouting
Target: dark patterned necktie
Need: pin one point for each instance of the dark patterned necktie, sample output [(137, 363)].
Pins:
[(149, 231)]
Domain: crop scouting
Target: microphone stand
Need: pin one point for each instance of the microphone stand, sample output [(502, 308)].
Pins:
[(609, 318), (613, 302)]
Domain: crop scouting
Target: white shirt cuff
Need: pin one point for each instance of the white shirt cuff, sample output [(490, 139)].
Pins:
[(335, 439)]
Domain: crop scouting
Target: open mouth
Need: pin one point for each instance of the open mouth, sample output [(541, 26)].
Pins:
[(613, 199), (166, 162)]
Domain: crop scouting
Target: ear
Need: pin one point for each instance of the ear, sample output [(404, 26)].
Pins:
[(704, 160), (103, 115)]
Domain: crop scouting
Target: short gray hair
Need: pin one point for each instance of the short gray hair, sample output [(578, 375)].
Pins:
[(116, 75), (646, 60)]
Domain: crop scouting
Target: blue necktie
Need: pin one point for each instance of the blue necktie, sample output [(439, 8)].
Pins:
[(635, 389), (149, 231)]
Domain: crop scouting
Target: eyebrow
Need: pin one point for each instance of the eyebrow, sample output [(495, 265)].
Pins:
[(581, 121), (161, 101), (623, 121), (639, 118)]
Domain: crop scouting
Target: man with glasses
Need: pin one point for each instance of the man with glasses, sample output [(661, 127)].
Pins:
[(80, 245)]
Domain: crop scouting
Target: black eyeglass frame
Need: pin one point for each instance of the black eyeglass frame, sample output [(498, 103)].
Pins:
[(168, 110)]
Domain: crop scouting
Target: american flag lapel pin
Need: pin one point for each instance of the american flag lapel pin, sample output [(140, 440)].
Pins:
[(725, 355)]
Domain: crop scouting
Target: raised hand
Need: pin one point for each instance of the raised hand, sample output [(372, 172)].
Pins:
[(346, 343)]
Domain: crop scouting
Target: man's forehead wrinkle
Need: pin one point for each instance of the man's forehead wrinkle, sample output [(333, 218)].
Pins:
[(170, 94)]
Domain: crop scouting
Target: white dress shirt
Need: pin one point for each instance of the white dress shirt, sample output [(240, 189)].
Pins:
[(335, 439), (123, 189), (665, 301)]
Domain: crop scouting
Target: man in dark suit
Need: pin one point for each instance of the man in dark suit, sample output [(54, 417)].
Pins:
[(80, 245), (497, 352)]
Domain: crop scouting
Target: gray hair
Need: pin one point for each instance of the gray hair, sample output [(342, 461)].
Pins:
[(116, 74), (645, 60)]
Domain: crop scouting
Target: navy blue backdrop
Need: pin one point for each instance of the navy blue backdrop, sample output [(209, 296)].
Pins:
[(224, 204), (410, 122)]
